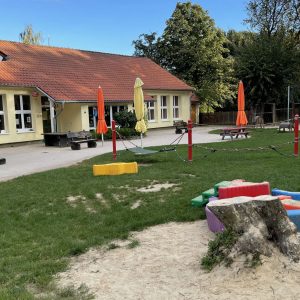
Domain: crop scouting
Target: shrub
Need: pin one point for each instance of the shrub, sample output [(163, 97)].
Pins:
[(219, 249), (125, 119)]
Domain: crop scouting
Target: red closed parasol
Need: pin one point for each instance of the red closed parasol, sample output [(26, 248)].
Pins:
[(241, 119), (101, 125)]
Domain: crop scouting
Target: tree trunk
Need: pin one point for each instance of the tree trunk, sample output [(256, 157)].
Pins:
[(259, 221)]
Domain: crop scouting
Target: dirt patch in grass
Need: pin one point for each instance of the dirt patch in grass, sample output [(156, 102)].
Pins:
[(188, 175), (157, 187), (136, 204), (144, 165), (166, 265), (73, 201)]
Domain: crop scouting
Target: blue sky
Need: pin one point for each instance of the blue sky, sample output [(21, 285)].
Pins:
[(102, 25)]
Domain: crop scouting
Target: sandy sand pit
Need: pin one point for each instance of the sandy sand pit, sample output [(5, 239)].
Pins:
[(166, 265)]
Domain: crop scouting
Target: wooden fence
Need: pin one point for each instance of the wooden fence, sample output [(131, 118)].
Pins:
[(229, 117)]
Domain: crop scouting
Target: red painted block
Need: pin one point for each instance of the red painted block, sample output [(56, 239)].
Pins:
[(250, 190)]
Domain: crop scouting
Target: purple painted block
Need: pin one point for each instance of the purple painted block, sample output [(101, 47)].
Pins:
[(213, 222), (213, 199)]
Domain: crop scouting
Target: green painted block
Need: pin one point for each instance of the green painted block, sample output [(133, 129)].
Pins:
[(222, 183), (199, 201), (207, 194)]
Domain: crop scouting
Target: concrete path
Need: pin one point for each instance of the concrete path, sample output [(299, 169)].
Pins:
[(33, 158)]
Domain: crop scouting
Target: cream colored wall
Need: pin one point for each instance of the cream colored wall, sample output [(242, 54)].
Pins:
[(74, 117), (11, 135), (184, 107)]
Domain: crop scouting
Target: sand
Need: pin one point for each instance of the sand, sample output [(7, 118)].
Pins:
[(166, 265)]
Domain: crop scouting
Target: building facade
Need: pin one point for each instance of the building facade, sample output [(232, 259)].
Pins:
[(48, 89)]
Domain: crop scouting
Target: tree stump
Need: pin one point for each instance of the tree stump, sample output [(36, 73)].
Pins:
[(260, 223)]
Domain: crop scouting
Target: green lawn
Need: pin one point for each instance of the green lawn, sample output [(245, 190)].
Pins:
[(40, 230)]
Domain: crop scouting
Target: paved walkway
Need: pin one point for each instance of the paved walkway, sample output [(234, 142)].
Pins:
[(33, 158)]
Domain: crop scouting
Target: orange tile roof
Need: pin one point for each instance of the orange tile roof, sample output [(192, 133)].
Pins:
[(74, 75)]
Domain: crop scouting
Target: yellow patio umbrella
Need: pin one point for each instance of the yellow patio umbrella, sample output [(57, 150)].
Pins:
[(139, 108), (241, 119)]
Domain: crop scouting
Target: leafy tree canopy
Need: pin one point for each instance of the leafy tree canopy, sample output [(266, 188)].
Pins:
[(192, 48), (273, 16), (237, 40), (267, 65)]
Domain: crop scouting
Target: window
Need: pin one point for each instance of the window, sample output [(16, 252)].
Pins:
[(151, 111), (175, 107), (111, 110), (3, 57), (163, 107), (23, 113), (93, 117), (2, 116)]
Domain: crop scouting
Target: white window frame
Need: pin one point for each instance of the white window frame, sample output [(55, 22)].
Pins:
[(2, 113), (176, 107), (151, 109), (164, 107), (23, 112), (118, 110)]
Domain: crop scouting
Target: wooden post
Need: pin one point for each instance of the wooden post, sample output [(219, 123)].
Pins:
[(190, 142), (274, 113), (114, 138), (296, 133)]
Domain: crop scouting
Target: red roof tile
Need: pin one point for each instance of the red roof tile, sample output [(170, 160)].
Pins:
[(74, 75)]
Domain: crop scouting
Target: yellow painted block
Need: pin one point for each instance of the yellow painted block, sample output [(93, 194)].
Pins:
[(115, 169)]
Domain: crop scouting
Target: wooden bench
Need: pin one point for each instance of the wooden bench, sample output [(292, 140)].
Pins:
[(234, 132), (77, 138), (179, 126)]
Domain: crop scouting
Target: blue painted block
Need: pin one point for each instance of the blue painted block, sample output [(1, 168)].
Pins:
[(294, 195), (294, 216)]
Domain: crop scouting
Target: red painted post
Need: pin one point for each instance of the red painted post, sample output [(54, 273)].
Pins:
[(114, 138), (190, 142), (296, 132)]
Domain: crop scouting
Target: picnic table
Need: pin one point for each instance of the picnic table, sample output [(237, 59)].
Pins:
[(234, 132)]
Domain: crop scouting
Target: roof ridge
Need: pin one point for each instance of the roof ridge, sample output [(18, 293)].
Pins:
[(66, 48)]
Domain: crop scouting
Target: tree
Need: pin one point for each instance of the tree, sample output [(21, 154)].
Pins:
[(28, 36), (236, 40), (267, 65), (147, 46), (273, 16), (192, 48)]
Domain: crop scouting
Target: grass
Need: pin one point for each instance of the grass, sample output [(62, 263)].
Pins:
[(219, 249), (40, 230), (133, 244)]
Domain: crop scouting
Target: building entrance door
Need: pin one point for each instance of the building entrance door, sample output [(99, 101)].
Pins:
[(193, 113), (46, 114)]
